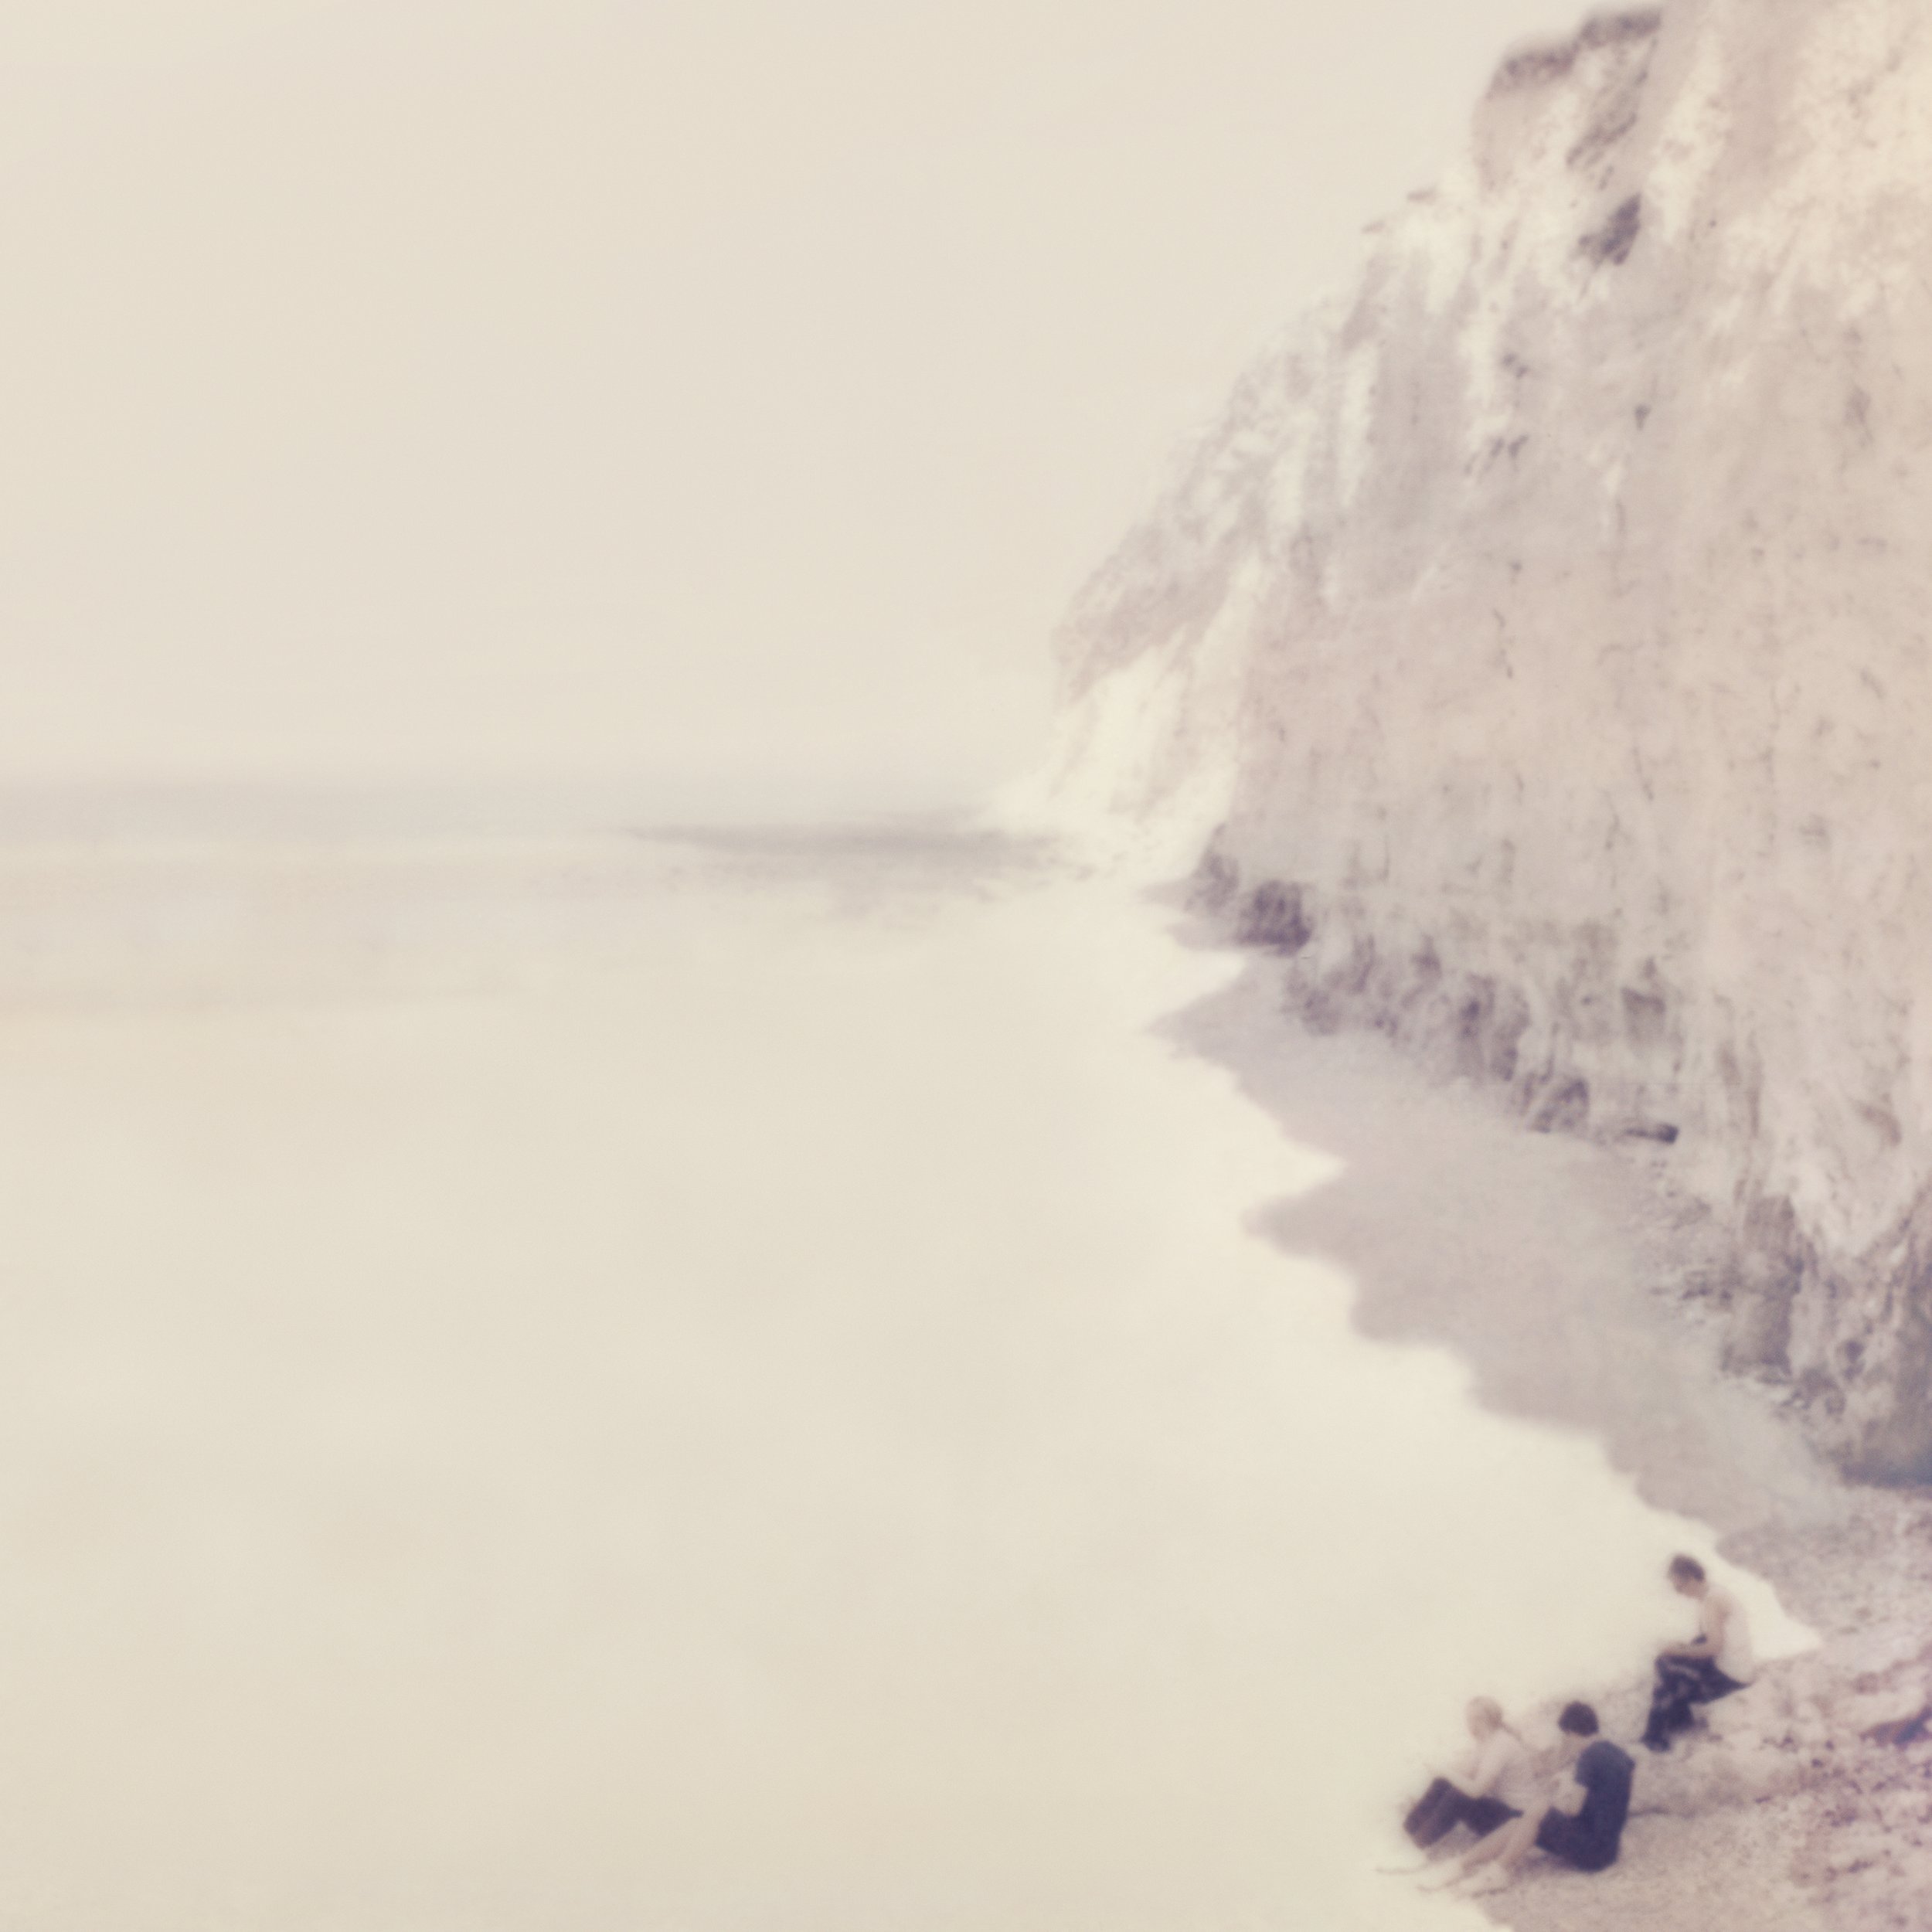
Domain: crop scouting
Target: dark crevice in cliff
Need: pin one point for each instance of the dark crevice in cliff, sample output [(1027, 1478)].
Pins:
[(1458, 1024)]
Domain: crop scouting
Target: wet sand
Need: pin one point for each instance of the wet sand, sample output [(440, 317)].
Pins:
[(1604, 1316)]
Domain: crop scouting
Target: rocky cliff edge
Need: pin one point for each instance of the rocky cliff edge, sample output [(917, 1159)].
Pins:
[(1536, 652)]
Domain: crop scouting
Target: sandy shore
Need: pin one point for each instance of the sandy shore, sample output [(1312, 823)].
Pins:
[(1780, 1814)]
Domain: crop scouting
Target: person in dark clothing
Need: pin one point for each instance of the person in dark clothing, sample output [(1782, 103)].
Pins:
[(1590, 1836), (1582, 1823)]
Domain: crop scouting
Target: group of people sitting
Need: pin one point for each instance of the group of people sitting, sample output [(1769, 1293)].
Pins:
[(1571, 1803)]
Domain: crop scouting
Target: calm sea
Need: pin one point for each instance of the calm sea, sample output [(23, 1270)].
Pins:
[(710, 1384)]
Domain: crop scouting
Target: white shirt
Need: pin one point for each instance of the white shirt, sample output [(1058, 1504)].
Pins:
[(1732, 1655), (1503, 1769)]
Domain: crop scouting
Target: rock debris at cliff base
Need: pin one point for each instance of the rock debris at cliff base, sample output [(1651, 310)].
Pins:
[(1778, 1813)]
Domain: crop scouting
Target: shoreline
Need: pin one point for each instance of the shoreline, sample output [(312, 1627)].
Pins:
[(1778, 1813)]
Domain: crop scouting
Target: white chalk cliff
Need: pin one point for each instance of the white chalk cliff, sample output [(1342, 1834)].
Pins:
[(1538, 649)]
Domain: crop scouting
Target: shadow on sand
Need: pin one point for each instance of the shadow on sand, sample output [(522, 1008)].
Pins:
[(1552, 1267)]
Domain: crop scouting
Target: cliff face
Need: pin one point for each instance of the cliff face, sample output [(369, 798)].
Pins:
[(1543, 632)]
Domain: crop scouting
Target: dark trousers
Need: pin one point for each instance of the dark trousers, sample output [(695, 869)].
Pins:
[(1442, 1806), (1682, 1683)]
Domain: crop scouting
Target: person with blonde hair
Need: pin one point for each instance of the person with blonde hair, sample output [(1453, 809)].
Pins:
[(1579, 1824), (1497, 1783)]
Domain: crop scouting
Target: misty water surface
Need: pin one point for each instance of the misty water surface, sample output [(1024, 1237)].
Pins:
[(591, 1382)]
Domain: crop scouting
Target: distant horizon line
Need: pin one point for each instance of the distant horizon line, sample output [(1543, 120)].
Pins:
[(96, 808)]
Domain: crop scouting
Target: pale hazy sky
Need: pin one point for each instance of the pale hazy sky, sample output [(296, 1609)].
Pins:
[(670, 387)]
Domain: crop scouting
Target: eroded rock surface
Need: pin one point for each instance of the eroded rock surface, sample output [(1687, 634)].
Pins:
[(1542, 636)]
